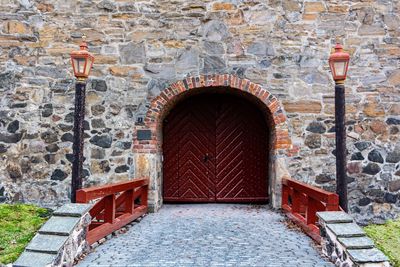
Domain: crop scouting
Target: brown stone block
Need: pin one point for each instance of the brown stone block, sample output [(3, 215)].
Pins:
[(394, 78), (378, 208), (351, 109), (235, 18), (354, 41), (102, 59), (314, 7), (338, 8), (10, 43), (174, 44), (302, 106), (141, 35), (59, 51), (310, 16), (92, 36), (16, 27), (99, 166), (224, 6), (354, 167), (374, 109), (371, 30), (291, 5), (126, 16), (119, 70), (47, 33), (24, 60), (394, 109), (378, 126), (45, 7)]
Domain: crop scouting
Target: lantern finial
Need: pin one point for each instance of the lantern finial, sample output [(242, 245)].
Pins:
[(83, 45)]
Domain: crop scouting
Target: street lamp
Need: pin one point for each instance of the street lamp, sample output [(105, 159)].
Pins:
[(339, 63), (82, 62)]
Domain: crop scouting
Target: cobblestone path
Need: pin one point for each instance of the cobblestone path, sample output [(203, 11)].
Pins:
[(208, 235)]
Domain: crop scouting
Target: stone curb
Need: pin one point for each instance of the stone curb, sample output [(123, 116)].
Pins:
[(345, 243), (60, 240)]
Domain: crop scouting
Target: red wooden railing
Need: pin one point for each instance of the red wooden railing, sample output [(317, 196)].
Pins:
[(117, 205), (301, 202)]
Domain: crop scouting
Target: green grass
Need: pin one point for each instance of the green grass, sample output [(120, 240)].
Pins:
[(18, 225), (387, 239)]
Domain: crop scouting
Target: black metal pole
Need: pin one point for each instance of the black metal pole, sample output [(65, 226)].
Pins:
[(341, 165), (79, 117)]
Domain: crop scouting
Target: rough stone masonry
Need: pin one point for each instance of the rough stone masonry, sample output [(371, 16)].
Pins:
[(143, 46)]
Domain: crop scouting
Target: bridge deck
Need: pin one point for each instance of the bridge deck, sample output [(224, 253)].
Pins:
[(209, 235)]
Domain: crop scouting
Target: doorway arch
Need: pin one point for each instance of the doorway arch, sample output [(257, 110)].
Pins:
[(147, 135)]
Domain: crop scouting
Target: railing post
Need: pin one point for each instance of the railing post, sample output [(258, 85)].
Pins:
[(129, 205), (285, 195), (109, 209), (311, 213), (332, 203), (145, 195), (295, 201), (81, 197)]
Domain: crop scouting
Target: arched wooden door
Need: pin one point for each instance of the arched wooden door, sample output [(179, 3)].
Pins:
[(215, 150)]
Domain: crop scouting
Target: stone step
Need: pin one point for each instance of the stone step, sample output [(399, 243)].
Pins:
[(356, 242), (335, 217), (73, 210), (46, 243), (346, 229), (34, 259), (372, 255), (59, 225)]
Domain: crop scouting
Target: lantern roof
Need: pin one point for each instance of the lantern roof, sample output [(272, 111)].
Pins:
[(83, 51), (339, 54)]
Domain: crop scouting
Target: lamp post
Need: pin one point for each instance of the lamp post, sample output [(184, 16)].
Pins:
[(82, 62), (339, 63)]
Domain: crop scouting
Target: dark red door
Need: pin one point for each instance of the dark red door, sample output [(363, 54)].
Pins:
[(215, 150)]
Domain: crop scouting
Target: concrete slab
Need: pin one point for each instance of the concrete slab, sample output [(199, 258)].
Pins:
[(334, 217), (346, 229), (356, 242), (367, 255), (47, 243), (34, 259), (59, 225), (73, 210)]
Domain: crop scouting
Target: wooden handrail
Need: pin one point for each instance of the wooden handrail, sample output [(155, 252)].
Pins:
[(86, 194), (117, 205), (301, 202)]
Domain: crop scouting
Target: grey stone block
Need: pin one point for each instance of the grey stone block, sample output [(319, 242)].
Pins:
[(367, 255), (346, 229), (335, 217), (34, 259), (73, 210), (356, 242), (59, 225), (47, 243)]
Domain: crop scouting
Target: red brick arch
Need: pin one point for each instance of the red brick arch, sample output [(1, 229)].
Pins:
[(167, 98)]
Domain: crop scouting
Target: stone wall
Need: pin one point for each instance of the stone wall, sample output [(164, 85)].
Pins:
[(141, 47)]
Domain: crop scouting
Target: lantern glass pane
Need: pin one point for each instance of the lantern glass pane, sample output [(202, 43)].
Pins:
[(340, 68), (79, 64), (88, 66)]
